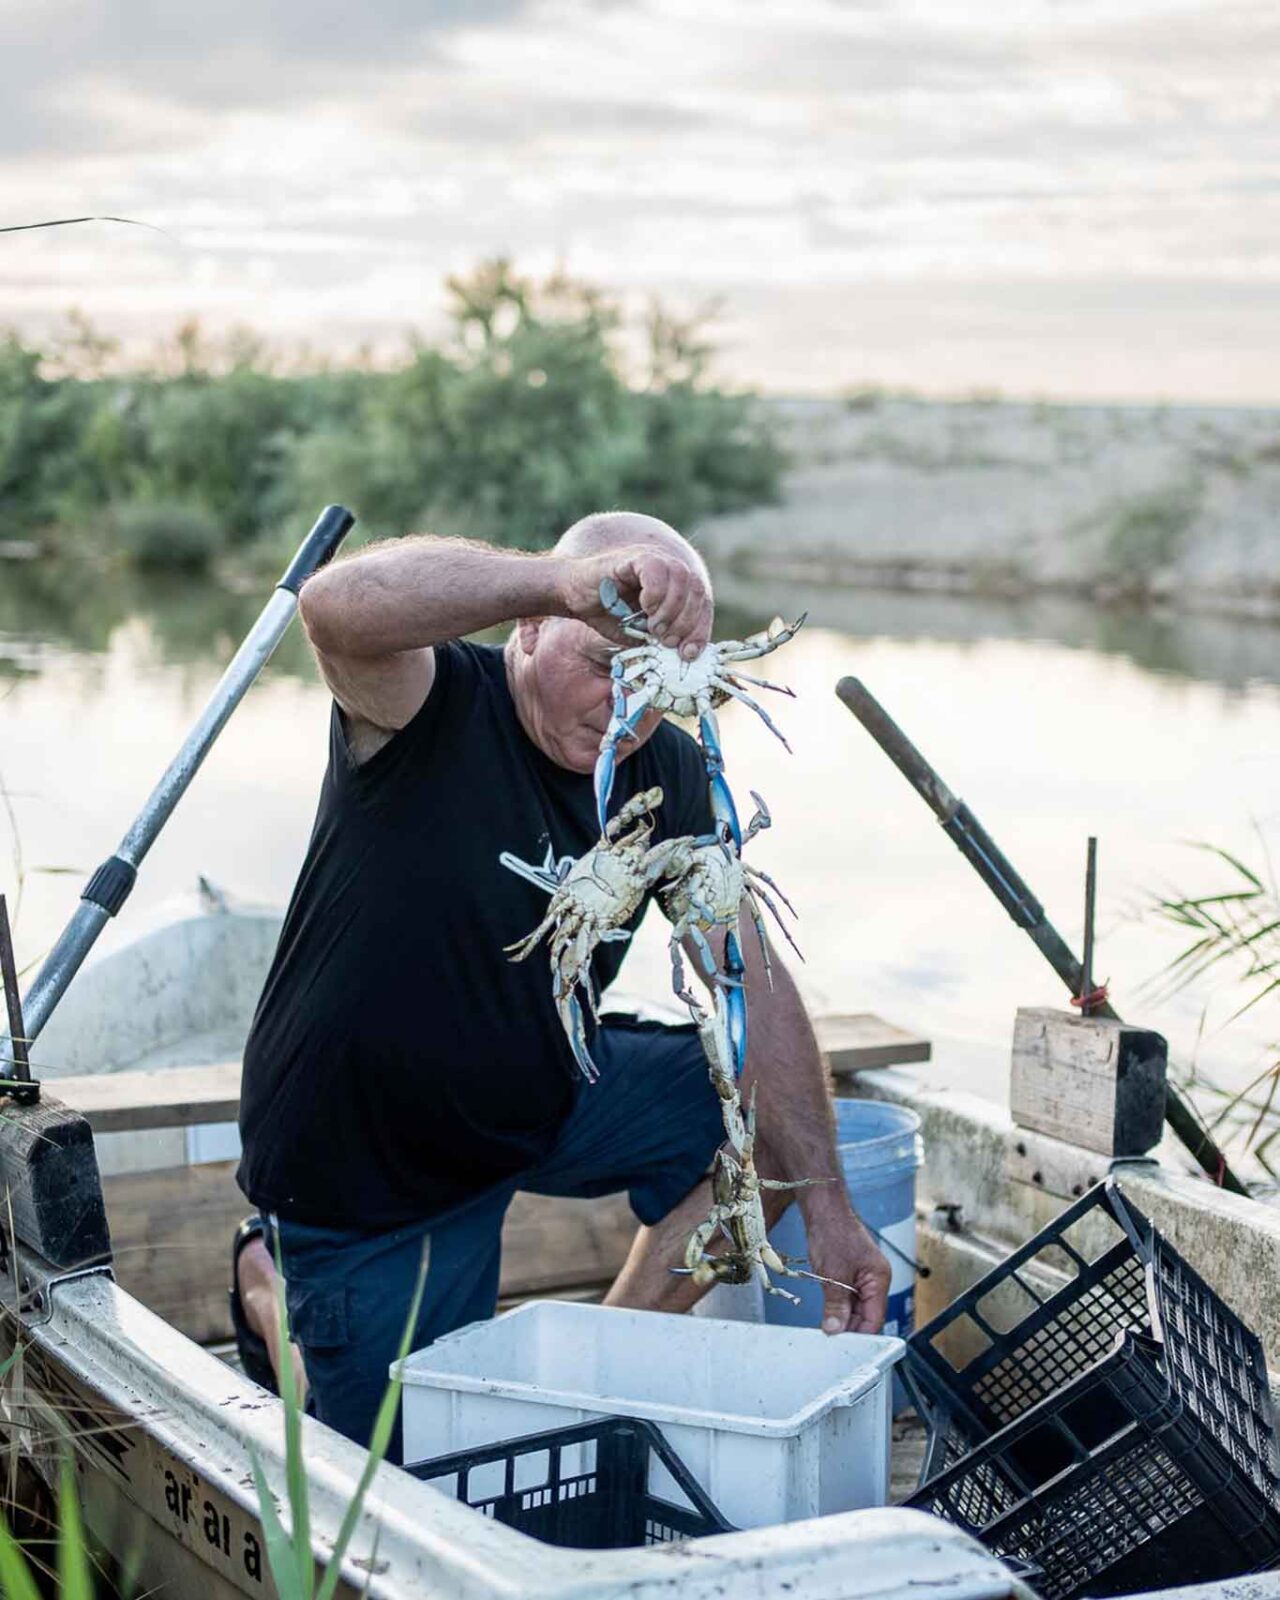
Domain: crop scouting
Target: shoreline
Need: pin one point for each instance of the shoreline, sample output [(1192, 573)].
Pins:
[(1162, 509), (839, 569)]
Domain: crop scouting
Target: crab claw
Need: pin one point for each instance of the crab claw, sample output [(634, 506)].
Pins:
[(606, 767), (760, 821), (576, 1030), (612, 601), (722, 807), (616, 606), (735, 1001)]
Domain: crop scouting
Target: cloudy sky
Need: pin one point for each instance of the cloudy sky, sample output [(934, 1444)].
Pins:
[(1059, 197)]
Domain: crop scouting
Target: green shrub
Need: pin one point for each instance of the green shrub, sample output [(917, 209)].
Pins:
[(166, 534), (524, 419), (42, 422), (1148, 531)]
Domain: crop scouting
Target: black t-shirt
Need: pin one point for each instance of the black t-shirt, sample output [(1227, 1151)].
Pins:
[(399, 1062)]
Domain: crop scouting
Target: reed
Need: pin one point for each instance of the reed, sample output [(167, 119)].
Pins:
[(289, 1552), (288, 1539), (1234, 931)]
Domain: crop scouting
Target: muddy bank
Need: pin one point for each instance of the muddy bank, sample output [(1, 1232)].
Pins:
[(1168, 506)]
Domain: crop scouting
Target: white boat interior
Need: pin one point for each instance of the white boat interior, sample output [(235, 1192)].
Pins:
[(145, 1046)]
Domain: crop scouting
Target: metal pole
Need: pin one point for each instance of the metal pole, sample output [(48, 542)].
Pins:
[(111, 885), (12, 997), (1087, 1005), (1000, 876)]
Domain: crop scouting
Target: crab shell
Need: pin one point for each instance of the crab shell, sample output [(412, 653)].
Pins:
[(678, 684), (604, 888), (715, 879)]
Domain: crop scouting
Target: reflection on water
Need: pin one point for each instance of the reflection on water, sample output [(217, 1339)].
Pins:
[(188, 619), (48, 605), (1052, 719), (1214, 649)]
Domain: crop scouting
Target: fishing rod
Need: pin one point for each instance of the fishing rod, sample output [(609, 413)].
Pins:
[(110, 886), (998, 873)]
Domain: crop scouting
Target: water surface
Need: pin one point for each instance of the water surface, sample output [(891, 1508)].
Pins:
[(1052, 719)]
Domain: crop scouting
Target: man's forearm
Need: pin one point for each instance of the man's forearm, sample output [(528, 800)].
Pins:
[(796, 1129), (409, 594), (794, 1106)]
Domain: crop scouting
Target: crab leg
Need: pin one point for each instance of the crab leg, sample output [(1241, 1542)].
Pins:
[(627, 712), (761, 644), (777, 915), (576, 1030), (760, 683), (705, 953), (755, 872), (741, 694), (762, 935), (524, 947)]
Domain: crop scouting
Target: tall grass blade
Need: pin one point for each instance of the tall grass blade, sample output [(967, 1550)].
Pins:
[(16, 1581), (289, 1555), (75, 1581), (303, 1562), (379, 1440), (71, 222), (280, 1552), (131, 1568)]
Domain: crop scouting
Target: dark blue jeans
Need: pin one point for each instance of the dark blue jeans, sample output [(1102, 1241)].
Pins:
[(650, 1126)]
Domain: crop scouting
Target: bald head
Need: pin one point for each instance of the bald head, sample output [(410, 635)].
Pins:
[(612, 530), (559, 666)]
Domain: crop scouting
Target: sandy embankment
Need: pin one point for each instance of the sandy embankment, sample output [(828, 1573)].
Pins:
[(1164, 505)]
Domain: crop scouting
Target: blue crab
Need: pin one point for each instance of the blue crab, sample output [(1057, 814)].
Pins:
[(650, 676)]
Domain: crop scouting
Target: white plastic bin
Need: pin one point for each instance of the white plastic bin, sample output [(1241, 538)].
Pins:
[(776, 1424)]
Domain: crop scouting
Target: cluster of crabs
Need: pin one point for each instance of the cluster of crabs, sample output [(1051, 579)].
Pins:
[(703, 885)]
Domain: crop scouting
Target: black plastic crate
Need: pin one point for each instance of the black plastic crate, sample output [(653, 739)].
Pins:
[(586, 1487), (1114, 1428), (1111, 1486)]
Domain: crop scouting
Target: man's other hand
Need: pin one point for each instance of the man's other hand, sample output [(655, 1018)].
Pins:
[(845, 1252), (672, 595)]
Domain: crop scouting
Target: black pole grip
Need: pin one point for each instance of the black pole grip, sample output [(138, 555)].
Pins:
[(320, 545), (111, 885)]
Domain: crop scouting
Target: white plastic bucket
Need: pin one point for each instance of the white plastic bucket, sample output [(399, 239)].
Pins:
[(776, 1424), (880, 1151)]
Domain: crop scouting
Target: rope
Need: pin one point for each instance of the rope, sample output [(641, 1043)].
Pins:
[(1095, 997)]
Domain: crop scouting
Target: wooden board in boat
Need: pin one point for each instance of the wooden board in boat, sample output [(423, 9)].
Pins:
[(171, 1227), (171, 1231), (861, 1042), (120, 1102)]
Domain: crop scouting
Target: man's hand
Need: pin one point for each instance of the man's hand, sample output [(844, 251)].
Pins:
[(671, 594), (844, 1251)]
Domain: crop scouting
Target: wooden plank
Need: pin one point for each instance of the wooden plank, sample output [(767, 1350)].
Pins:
[(49, 1183), (123, 1102), (177, 1097), (171, 1230), (861, 1041), (1091, 1081), (172, 1235), (552, 1243)]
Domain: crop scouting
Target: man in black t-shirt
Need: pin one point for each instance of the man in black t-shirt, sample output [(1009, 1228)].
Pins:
[(403, 1078)]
